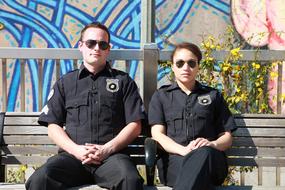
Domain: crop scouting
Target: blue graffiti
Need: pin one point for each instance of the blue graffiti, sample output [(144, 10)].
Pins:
[(124, 28)]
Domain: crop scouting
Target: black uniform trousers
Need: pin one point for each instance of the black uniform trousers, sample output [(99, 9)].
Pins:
[(63, 171), (201, 169)]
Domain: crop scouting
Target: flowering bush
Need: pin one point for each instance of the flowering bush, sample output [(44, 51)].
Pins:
[(243, 83)]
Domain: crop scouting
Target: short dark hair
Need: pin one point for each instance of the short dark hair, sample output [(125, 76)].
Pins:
[(95, 25), (189, 46)]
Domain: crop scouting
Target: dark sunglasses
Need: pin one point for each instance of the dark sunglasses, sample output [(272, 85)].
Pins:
[(92, 43), (191, 63)]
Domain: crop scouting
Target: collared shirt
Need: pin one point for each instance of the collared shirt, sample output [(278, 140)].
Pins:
[(202, 113), (93, 108)]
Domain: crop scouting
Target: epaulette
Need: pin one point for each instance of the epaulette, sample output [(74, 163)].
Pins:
[(206, 87), (165, 86)]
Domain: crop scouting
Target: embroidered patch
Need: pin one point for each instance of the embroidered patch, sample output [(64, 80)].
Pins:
[(112, 85), (45, 109), (51, 93), (204, 100)]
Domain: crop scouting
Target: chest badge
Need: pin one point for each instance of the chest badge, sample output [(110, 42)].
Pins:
[(112, 85), (204, 100)]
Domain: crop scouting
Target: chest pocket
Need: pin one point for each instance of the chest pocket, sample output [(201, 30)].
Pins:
[(107, 108), (203, 123), (175, 125), (77, 111)]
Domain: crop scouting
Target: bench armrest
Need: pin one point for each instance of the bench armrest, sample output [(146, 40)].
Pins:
[(150, 146)]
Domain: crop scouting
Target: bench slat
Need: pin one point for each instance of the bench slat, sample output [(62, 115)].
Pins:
[(21, 139), (21, 120), (258, 122), (273, 162), (46, 149), (260, 142), (25, 130), (51, 149), (262, 152), (30, 160), (260, 132), (38, 160)]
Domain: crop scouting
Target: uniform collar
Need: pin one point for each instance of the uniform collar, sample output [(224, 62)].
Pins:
[(198, 86), (83, 72)]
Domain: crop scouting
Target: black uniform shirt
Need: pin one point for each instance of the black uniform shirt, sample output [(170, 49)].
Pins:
[(203, 113), (93, 108)]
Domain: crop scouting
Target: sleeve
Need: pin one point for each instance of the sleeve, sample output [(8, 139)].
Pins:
[(225, 119), (155, 111), (133, 105), (54, 111)]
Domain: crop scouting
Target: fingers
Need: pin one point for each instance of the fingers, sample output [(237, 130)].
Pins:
[(199, 142), (90, 161)]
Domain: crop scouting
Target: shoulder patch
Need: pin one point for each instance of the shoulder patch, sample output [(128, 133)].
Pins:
[(51, 93), (45, 110)]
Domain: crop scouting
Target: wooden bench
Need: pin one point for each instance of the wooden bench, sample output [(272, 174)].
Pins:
[(259, 141), (26, 142)]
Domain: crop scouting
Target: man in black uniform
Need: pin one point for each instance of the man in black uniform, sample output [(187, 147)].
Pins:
[(193, 125), (92, 114)]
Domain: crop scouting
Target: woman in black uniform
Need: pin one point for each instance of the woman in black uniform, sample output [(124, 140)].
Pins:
[(193, 125)]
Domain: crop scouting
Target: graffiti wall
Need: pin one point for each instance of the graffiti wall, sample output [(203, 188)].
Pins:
[(57, 24)]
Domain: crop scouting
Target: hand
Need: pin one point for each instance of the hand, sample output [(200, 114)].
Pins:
[(90, 157), (186, 149), (200, 142), (103, 152), (97, 153), (81, 152)]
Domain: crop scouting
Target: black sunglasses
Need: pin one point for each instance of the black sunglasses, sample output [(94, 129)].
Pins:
[(92, 43), (191, 63)]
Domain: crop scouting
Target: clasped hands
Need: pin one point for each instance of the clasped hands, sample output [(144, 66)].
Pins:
[(197, 143), (92, 153)]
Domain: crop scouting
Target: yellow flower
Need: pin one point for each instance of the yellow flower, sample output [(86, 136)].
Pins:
[(255, 65), (23, 168), (283, 98), (235, 52), (257, 84), (273, 74)]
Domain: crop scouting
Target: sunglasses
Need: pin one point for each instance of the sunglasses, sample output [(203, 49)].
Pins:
[(92, 43), (191, 63)]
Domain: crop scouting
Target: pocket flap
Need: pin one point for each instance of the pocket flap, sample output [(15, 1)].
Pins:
[(77, 102), (174, 115)]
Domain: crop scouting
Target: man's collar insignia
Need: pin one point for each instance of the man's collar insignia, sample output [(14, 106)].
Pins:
[(204, 100), (112, 85)]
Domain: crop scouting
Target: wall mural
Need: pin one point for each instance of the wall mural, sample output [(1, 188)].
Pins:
[(262, 23), (57, 24)]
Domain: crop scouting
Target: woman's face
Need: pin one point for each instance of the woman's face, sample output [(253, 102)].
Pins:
[(188, 64)]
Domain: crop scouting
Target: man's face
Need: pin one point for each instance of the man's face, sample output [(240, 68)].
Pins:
[(94, 52)]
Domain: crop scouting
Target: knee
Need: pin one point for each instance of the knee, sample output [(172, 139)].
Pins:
[(206, 150), (37, 179), (132, 179)]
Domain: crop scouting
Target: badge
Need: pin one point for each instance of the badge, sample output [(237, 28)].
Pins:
[(204, 100), (51, 93), (112, 85)]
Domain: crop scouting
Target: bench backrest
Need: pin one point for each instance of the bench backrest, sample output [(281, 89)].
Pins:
[(258, 141), (26, 142)]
